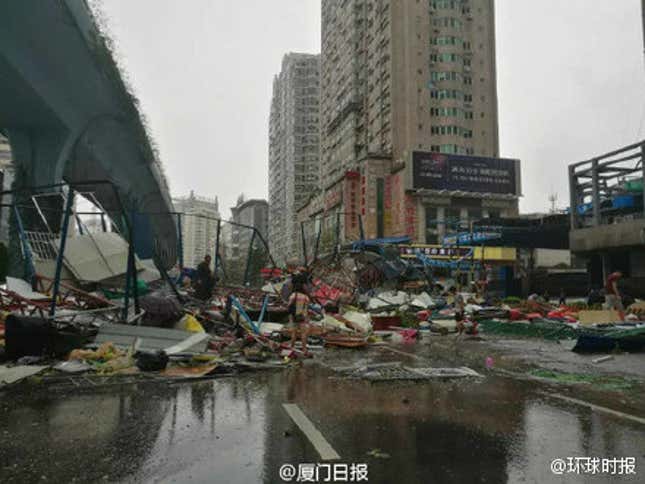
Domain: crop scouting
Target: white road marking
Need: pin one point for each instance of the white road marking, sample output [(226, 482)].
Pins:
[(597, 408), (317, 439)]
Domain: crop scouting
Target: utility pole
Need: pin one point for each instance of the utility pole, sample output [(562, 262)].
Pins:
[(553, 198)]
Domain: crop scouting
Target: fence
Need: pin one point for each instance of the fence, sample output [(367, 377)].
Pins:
[(324, 235), (238, 252)]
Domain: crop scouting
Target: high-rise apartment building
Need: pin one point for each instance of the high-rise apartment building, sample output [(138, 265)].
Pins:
[(198, 227), (249, 213), (409, 97), (294, 149)]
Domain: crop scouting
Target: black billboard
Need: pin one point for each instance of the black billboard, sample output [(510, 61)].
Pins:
[(439, 171)]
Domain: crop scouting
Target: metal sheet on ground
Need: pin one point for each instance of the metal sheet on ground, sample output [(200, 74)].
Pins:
[(152, 339), (23, 288), (13, 374)]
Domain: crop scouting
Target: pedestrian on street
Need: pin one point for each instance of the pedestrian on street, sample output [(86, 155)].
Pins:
[(299, 315), (204, 280), (612, 294), (460, 309), (563, 298)]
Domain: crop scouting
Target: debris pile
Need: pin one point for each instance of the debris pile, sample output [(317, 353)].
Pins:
[(353, 301)]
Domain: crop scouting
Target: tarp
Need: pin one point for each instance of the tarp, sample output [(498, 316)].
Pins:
[(387, 299), (423, 301), (551, 330)]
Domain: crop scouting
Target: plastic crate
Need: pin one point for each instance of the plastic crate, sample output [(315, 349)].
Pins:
[(634, 185), (623, 201)]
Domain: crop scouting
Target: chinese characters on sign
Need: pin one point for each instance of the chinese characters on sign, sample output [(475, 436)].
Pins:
[(387, 212), (410, 216), (436, 251), (436, 171), (350, 195)]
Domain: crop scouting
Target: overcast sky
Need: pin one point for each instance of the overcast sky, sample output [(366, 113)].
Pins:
[(571, 84)]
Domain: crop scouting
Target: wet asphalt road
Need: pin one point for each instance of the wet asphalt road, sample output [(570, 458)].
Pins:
[(235, 430)]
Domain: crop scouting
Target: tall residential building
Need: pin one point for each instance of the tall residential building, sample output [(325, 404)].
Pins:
[(408, 112), (294, 149), (251, 213), (198, 227)]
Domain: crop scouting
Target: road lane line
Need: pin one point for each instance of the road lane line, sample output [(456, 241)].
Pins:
[(598, 408), (317, 439)]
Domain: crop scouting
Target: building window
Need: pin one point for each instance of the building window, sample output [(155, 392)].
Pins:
[(445, 57), (446, 94), (445, 76), (446, 40), (449, 149), (448, 22), (451, 130), (445, 4)]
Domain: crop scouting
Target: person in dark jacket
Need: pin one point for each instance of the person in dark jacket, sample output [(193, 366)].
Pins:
[(204, 279)]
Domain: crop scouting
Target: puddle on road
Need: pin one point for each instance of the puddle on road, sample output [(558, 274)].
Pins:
[(233, 430)]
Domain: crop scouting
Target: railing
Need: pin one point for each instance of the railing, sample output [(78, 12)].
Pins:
[(607, 188)]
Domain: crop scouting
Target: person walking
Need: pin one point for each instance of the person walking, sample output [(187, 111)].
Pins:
[(613, 298), (204, 279), (299, 315)]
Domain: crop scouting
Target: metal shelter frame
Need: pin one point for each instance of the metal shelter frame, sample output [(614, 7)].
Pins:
[(337, 244), (131, 273), (595, 180)]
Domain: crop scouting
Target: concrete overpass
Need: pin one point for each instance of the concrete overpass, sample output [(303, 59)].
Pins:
[(69, 116)]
